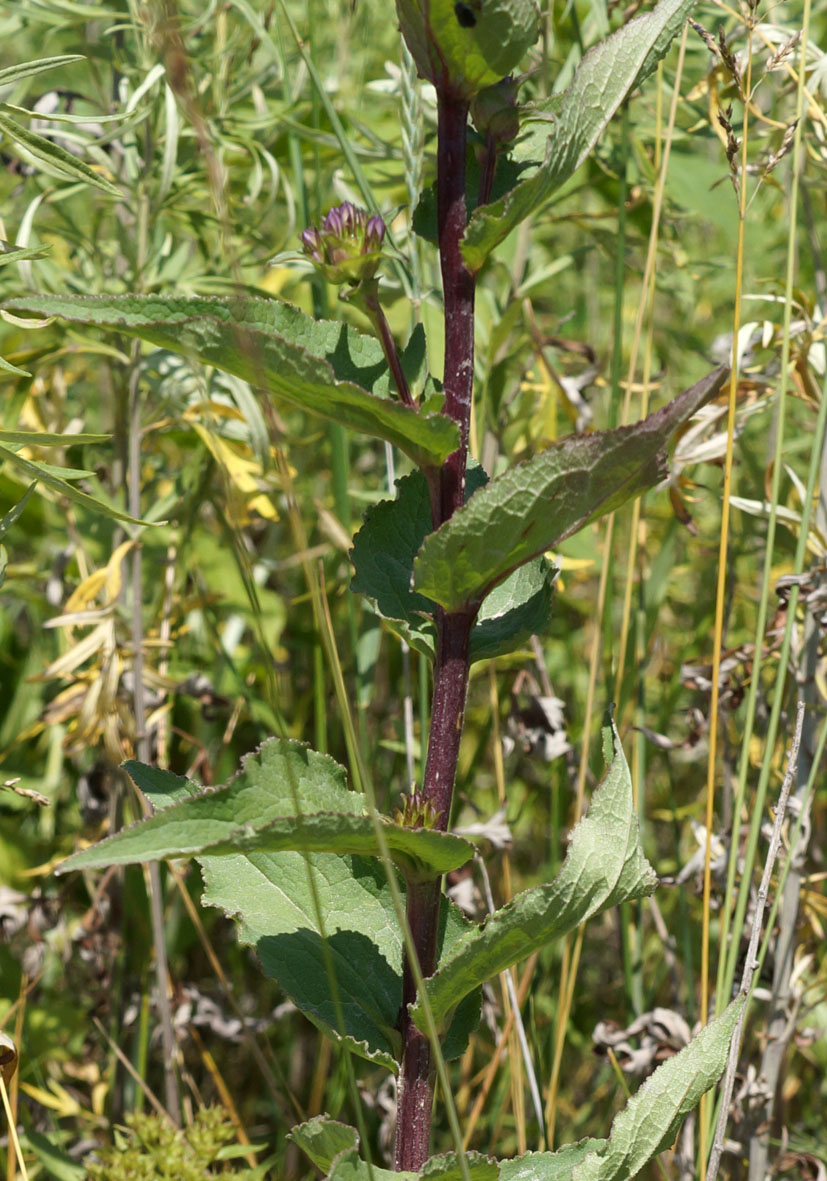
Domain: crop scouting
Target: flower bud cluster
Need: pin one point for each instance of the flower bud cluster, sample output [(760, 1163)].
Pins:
[(347, 247)]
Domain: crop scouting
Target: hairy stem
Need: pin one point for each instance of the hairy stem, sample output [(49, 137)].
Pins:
[(416, 1090)]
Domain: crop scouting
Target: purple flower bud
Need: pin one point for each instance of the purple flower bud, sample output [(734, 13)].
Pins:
[(334, 221), (374, 234), (311, 241), (346, 248)]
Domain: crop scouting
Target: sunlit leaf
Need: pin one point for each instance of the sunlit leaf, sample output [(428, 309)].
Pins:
[(286, 797), (319, 365), (559, 133), (650, 1120), (535, 505), (53, 157), (604, 866), (463, 47)]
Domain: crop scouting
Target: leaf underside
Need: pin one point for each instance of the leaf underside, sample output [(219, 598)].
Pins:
[(278, 847)]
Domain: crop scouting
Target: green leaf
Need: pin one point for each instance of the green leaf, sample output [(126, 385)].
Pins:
[(321, 366), (162, 788), (287, 797), (276, 895), (650, 1120), (322, 1139), (562, 131), (447, 1167), (463, 47), (10, 253), (351, 1168), (13, 74), (7, 367), (44, 473), (15, 511), (295, 904), (383, 557), (51, 156), (604, 866), (48, 439), (549, 1166), (55, 1161), (535, 505)]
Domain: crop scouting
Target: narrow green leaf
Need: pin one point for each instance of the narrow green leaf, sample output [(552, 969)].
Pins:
[(7, 367), (10, 253), (15, 511), (322, 1139), (52, 156), (535, 505), (650, 1120), (45, 474), (286, 798), (383, 557), (321, 366), (48, 439), (604, 866), (13, 74), (57, 1163), (464, 47), (562, 131)]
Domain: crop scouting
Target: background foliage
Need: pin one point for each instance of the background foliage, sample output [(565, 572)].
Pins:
[(225, 135)]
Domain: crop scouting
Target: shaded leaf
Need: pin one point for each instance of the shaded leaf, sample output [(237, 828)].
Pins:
[(383, 557), (322, 1139), (562, 131), (9, 518), (319, 365), (604, 866), (536, 504)]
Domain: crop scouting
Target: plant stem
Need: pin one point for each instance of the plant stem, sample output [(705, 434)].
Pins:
[(374, 309), (458, 293), (416, 1088)]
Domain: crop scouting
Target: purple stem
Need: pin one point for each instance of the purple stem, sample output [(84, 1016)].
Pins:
[(416, 1075), (376, 313)]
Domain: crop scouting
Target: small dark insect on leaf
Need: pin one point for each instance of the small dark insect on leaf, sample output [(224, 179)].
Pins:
[(465, 15)]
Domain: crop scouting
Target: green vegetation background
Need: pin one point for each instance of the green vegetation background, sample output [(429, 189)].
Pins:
[(217, 184)]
